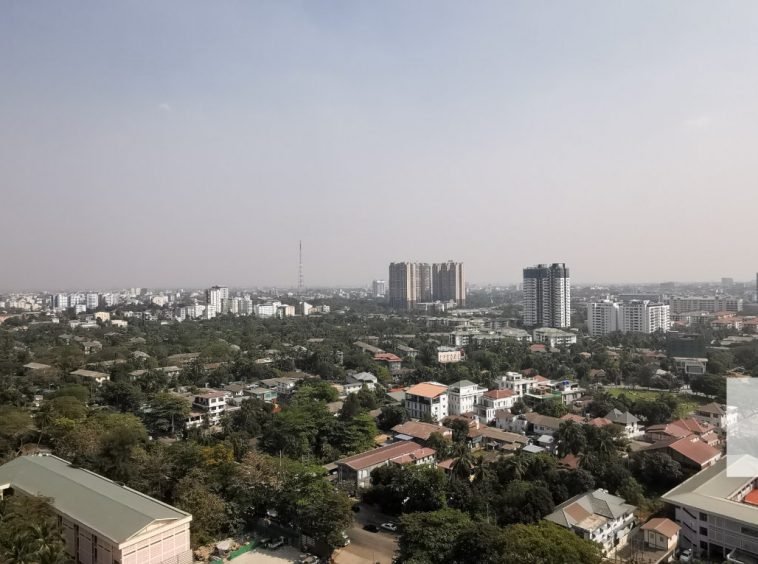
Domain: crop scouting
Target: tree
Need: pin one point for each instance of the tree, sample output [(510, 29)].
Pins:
[(710, 385), (30, 533), (656, 470), (392, 415), (524, 502), (357, 434), (123, 396), (460, 430), (547, 543), (430, 538), (553, 408), (323, 513), (571, 439), (519, 407), (14, 423), (167, 413), (207, 508)]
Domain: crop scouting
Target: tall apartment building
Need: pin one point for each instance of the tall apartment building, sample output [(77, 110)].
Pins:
[(710, 304), (547, 296), (418, 282), (379, 288), (403, 285), (60, 302), (215, 295), (636, 316), (448, 282), (92, 301)]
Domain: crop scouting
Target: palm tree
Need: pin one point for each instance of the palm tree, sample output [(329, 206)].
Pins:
[(571, 439)]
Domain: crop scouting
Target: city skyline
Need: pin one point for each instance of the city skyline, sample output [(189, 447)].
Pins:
[(150, 143)]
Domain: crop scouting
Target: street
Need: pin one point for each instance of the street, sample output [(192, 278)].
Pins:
[(366, 547)]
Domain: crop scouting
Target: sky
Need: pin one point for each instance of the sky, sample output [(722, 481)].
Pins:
[(186, 143)]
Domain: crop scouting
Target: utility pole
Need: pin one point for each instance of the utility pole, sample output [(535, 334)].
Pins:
[(300, 271)]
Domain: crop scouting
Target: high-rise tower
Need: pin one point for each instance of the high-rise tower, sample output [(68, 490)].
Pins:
[(547, 296)]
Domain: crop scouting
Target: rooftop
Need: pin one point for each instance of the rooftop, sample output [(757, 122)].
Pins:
[(419, 430), (380, 455), (427, 390), (661, 525), (590, 510), (710, 491), (113, 511)]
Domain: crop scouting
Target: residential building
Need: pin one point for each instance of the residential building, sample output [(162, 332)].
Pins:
[(305, 308), (424, 282), (213, 404), (428, 399), (419, 431), (547, 296), (628, 422), (463, 397), (91, 375), (356, 470), (264, 394), (718, 514), (447, 355), (636, 316), (102, 522), (60, 302), (710, 304), (449, 283), (517, 382), (554, 337), (715, 414), (691, 366), (215, 295), (92, 301), (542, 424), (393, 362), (493, 401), (598, 517), (660, 533), (690, 451), (403, 285), (379, 288)]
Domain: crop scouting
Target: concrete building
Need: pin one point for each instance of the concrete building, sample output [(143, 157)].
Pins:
[(463, 397), (403, 285), (517, 382), (493, 401), (554, 337), (103, 522), (379, 288), (449, 283), (92, 301), (213, 405), (547, 296), (356, 470), (428, 399), (60, 302), (596, 516), (711, 304), (448, 355), (718, 514), (215, 295), (636, 316)]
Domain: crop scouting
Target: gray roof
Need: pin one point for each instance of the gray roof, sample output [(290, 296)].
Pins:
[(623, 418), (113, 511), (578, 510), (462, 384), (709, 491)]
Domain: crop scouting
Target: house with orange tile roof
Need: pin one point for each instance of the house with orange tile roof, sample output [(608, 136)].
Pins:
[(493, 401), (356, 470), (427, 400), (688, 451)]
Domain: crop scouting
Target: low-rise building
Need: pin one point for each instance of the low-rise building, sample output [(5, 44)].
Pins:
[(91, 375), (628, 422), (448, 355), (598, 517), (716, 414), (102, 522), (718, 514), (356, 470), (212, 404), (463, 397), (660, 533), (493, 401), (689, 451), (516, 381), (418, 431), (392, 361), (428, 399), (554, 337)]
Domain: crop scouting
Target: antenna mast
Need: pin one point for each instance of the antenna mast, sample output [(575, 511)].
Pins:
[(300, 271)]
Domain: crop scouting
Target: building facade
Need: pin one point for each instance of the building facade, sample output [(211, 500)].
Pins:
[(102, 522), (428, 399), (379, 288), (449, 283), (547, 296), (710, 304), (635, 316), (463, 397)]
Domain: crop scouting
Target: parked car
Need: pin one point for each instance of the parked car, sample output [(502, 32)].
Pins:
[(391, 527), (345, 539), (276, 543), (264, 541), (686, 555), (371, 528)]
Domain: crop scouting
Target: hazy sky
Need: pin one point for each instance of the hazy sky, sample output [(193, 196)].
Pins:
[(160, 143)]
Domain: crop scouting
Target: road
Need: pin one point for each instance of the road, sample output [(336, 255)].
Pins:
[(366, 547)]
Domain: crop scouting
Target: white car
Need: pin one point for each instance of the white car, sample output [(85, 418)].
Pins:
[(392, 527), (686, 555)]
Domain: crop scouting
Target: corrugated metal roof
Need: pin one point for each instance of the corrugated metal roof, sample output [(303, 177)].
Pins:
[(113, 511)]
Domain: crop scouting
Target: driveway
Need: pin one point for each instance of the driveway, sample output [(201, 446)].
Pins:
[(283, 555)]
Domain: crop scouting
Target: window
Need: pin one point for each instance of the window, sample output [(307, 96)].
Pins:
[(704, 531), (703, 516)]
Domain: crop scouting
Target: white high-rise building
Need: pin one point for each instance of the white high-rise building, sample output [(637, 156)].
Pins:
[(214, 296), (60, 302), (379, 288), (547, 296), (92, 301), (635, 316), (110, 300)]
